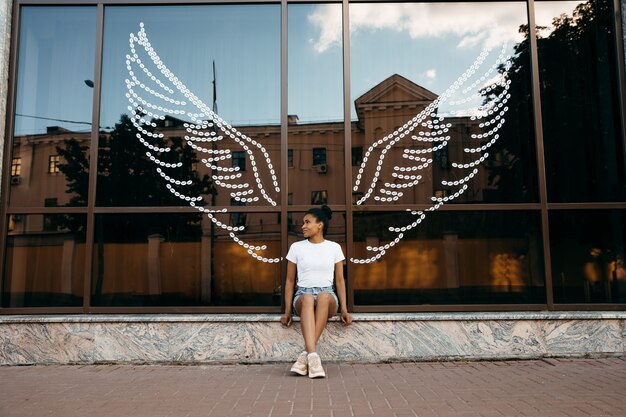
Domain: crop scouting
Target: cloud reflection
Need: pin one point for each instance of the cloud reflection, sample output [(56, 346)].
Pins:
[(476, 24)]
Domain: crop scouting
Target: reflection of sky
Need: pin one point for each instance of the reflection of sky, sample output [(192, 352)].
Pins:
[(546, 11), (315, 79), (429, 44), (244, 42), (56, 56)]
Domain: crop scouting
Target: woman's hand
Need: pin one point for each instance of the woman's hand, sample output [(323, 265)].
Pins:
[(346, 318), (286, 319)]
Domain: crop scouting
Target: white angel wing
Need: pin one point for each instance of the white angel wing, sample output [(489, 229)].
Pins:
[(428, 132), (154, 92)]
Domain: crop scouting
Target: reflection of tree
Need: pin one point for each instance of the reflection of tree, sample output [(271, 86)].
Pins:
[(510, 172), (126, 177), (576, 75), (579, 104)]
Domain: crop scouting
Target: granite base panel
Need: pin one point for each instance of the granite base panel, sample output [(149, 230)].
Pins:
[(196, 339)]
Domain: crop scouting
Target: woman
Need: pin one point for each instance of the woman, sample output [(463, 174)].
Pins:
[(316, 259)]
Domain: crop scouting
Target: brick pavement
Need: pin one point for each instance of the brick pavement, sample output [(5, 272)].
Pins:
[(554, 387)]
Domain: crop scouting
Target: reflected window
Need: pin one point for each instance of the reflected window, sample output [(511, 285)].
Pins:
[(53, 164), (239, 160), (319, 197), (237, 219), (357, 155), (16, 167), (51, 221), (319, 156)]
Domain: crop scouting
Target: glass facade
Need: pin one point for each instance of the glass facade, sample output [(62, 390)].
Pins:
[(473, 154)]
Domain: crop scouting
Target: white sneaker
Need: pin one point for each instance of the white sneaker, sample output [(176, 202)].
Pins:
[(315, 366), (301, 366)]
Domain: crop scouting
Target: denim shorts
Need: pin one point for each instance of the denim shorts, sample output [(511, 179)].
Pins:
[(314, 291)]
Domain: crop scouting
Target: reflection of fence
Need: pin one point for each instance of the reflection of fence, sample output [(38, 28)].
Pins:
[(55, 271), (153, 268), (450, 263)]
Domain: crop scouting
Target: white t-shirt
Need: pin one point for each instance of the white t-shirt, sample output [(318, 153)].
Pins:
[(315, 262)]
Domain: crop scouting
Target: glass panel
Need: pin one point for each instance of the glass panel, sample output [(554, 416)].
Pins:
[(316, 138), (451, 257), (587, 251), (437, 111), (53, 106), (579, 101), (45, 260), (203, 108), (185, 260), (336, 233)]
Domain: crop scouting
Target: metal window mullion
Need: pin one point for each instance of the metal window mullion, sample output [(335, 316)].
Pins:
[(284, 135), (541, 163), (347, 131), (8, 139), (93, 160)]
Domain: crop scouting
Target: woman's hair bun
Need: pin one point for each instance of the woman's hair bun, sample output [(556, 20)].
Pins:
[(327, 211)]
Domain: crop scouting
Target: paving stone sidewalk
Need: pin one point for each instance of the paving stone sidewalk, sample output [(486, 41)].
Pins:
[(552, 387)]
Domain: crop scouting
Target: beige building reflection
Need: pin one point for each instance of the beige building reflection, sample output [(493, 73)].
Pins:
[(316, 173)]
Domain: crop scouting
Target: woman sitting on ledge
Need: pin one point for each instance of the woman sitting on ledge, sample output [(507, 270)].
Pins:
[(316, 259)]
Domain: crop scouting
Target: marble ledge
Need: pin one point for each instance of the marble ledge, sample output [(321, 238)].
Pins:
[(275, 317)]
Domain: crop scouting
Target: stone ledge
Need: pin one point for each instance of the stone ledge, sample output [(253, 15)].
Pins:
[(257, 338), (275, 317)]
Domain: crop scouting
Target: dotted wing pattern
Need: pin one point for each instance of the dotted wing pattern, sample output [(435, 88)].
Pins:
[(429, 132), (155, 92)]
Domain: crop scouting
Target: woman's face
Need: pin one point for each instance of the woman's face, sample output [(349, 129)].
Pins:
[(311, 226)]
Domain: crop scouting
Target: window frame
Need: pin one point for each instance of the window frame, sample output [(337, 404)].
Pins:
[(7, 210), (53, 164)]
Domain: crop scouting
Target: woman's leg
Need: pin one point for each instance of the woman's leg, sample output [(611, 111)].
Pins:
[(326, 308), (305, 306)]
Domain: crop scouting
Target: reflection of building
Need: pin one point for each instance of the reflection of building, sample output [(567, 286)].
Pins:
[(316, 176), (315, 162), (38, 174)]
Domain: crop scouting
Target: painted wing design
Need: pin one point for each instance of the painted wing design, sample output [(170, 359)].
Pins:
[(429, 132), (154, 92)]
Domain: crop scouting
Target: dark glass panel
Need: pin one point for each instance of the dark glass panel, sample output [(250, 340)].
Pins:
[(432, 89), (214, 66), (587, 251), (53, 106), (584, 143), (453, 257), (185, 260), (316, 134), (45, 260)]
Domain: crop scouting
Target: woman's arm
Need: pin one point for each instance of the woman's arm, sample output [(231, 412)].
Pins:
[(289, 283), (340, 284)]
